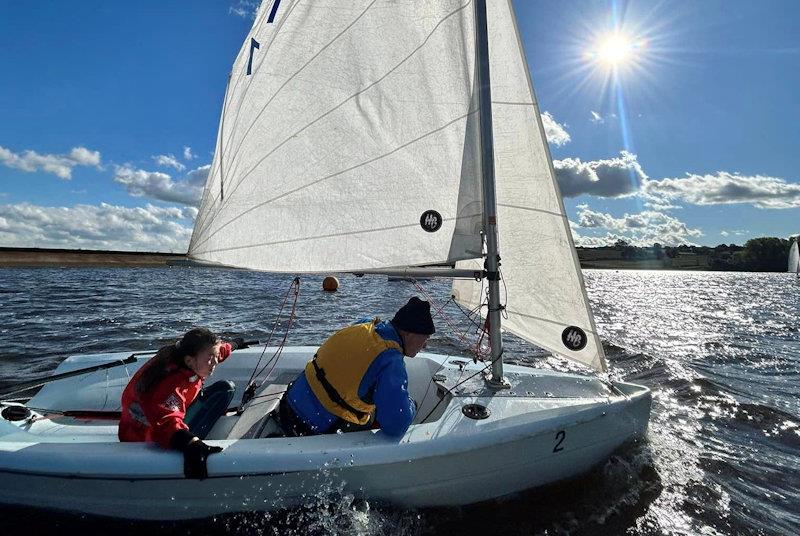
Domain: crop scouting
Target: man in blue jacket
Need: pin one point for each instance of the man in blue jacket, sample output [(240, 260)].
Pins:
[(358, 374)]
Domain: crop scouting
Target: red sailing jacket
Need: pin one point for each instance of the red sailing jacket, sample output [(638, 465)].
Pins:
[(158, 414)]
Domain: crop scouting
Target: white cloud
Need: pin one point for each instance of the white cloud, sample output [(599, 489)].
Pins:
[(168, 160), (641, 229), (245, 8), (614, 177), (659, 204), (737, 232), (555, 132), (147, 228), (727, 188), (59, 165), (84, 157), (597, 117), (598, 241), (187, 153), (157, 185)]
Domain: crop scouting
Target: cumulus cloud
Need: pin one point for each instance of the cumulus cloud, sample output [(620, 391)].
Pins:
[(615, 177), (727, 188), (84, 157), (168, 160), (555, 132), (147, 228), (187, 153), (655, 203), (161, 186), (609, 239), (642, 229), (245, 8), (59, 165)]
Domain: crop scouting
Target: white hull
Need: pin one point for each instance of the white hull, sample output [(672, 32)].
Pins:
[(533, 436)]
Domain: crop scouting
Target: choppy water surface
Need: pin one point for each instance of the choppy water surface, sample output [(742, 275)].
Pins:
[(721, 352)]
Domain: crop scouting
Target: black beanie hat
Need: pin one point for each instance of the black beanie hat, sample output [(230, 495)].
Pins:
[(415, 317)]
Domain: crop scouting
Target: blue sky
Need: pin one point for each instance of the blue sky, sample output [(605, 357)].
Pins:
[(109, 112)]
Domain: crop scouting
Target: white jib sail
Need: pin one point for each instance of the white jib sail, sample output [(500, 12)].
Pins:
[(542, 285), (794, 257), (349, 126)]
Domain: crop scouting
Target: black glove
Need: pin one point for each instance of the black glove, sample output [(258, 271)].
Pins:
[(194, 459), (237, 343), (195, 454)]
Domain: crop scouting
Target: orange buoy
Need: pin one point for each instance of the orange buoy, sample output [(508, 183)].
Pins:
[(330, 284)]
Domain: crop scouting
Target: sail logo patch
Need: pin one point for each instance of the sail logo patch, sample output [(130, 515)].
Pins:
[(574, 338), (431, 221)]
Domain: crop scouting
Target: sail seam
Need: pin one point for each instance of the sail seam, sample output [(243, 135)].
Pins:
[(372, 85), (551, 213), (332, 235), (557, 323), (342, 172)]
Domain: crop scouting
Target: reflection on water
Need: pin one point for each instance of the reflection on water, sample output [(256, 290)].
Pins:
[(721, 352)]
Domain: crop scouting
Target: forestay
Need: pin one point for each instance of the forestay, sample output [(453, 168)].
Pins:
[(348, 140), (542, 285)]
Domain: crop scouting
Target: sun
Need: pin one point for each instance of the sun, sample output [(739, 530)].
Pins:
[(615, 50)]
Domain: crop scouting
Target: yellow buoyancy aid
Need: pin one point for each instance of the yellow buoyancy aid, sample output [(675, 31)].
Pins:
[(341, 362)]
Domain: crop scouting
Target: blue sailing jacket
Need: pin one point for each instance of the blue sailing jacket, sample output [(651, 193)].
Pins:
[(385, 384)]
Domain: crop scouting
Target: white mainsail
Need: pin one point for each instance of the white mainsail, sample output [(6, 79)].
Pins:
[(360, 117), (794, 257), (356, 121), (542, 282)]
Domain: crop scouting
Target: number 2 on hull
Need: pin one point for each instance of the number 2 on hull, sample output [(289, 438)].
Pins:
[(560, 439)]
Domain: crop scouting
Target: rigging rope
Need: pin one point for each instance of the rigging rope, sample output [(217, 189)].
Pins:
[(294, 289), (439, 310)]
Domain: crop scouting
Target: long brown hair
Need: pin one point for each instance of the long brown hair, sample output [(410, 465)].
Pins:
[(193, 342)]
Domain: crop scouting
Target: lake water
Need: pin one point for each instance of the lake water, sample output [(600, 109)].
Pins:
[(721, 352)]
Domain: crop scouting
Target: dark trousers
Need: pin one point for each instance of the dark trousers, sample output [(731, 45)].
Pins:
[(290, 423), (212, 404), (293, 426)]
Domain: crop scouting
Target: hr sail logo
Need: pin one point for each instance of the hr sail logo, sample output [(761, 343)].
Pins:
[(431, 221), (574, 338)]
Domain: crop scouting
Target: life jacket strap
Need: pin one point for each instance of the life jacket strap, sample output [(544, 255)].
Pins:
[(332, 393)]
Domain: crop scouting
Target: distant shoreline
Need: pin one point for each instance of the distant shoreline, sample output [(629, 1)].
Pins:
[(42, 257)]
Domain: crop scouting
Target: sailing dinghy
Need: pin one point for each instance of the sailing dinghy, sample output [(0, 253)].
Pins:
[(365, 136), (794, 258)]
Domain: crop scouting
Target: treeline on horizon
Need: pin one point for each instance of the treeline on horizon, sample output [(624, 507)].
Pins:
[(766, 254)]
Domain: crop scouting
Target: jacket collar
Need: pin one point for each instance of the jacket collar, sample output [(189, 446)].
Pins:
[(395, 335)]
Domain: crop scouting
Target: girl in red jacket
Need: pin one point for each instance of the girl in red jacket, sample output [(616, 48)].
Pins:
[(159, 402)]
